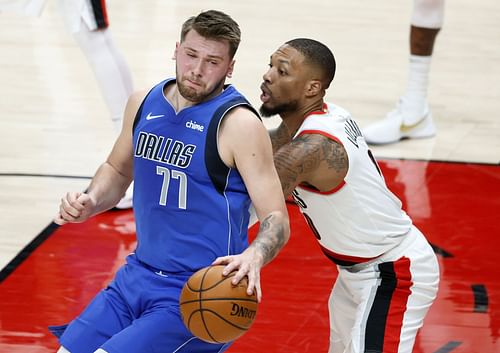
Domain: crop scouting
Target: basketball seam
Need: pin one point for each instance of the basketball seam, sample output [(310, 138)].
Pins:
[(216, 299), (223, 319), (213, 285), (201, 308)]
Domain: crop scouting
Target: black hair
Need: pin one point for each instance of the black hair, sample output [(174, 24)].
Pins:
[(318, 55)]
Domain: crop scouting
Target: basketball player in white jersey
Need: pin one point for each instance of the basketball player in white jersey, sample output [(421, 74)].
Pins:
[(412, 116), (87, 21), (388, 274)]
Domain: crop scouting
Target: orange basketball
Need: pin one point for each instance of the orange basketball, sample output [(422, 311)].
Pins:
[(213, 309)]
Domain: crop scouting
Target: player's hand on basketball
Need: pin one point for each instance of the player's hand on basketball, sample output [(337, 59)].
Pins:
[(75, 207), (245, 264)]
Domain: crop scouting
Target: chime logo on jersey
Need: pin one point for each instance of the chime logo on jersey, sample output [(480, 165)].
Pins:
[(163, 150), (195, 126)]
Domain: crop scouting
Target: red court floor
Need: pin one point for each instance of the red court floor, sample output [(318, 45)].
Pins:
[(455, 204)]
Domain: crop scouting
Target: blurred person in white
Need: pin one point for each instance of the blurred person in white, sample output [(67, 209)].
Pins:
[(88, 23), (412, 116)]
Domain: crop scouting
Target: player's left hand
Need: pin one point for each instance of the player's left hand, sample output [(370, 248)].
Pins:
[(249, 264)]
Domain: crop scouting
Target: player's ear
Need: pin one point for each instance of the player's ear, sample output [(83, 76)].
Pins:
[(174, 57), (229, 73), (313, 88)]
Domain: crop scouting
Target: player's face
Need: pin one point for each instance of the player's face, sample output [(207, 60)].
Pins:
[(202, 66), (284, 82)]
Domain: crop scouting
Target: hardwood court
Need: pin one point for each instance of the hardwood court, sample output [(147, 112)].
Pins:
[(73, 262), (55, 131)]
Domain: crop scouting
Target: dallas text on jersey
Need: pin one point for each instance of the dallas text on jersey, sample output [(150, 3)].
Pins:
[(164, 150)]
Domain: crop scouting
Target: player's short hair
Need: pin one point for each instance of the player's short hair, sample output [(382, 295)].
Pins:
[(215, 25), (318, 55)]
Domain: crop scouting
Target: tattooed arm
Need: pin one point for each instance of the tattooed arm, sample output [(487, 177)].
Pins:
[(270, 239), (311, 159), (279, 136)]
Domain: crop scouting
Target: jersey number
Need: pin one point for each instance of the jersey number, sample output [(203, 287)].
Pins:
[(175, 174)]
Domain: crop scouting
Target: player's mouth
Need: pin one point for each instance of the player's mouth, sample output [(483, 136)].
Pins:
[(194, 83), (266, 93)]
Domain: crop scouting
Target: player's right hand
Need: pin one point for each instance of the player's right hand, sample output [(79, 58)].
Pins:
[(75, 207)]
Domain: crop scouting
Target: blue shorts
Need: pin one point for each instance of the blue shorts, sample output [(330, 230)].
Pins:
[(137, 313)]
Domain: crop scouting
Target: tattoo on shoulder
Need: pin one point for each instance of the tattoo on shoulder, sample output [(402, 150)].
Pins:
[(334, 154), (304, 155), (300, 157), (307, 148)]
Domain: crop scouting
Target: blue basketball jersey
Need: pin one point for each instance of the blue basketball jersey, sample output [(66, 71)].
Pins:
[(189, 206)]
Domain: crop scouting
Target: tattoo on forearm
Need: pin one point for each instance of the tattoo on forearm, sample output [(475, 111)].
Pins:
[(270, 239)]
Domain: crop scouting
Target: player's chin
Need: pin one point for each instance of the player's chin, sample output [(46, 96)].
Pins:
[(266, 110)]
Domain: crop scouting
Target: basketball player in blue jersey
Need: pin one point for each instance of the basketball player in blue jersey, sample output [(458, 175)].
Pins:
[(199, 156), (387, 272)]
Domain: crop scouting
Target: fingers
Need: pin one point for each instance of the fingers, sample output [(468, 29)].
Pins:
[(72, 207), (224, 260), (259, 291), (59, 220), (82, 198), (231, 264), (243, 269), (254, 283), (242, 272)]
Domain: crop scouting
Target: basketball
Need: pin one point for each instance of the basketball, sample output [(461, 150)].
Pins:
[(215, 310)]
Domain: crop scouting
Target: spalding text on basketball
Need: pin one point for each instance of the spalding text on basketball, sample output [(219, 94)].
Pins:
[(241, 311)]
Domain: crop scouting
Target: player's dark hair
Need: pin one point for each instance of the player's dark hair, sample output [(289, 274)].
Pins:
[(216, 25), (318, 55)]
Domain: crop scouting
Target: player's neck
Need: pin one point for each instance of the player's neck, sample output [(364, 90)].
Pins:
[(177, 100), (293, 120)]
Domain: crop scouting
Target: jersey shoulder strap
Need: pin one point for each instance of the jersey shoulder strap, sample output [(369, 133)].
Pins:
[(139, 111), (216, 168)]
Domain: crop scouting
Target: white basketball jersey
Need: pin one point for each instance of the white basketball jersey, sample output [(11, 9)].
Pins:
[(361, 218)]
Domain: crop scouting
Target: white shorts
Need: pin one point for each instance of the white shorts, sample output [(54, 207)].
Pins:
[(81, 12), (380, 305), (428, 13)]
